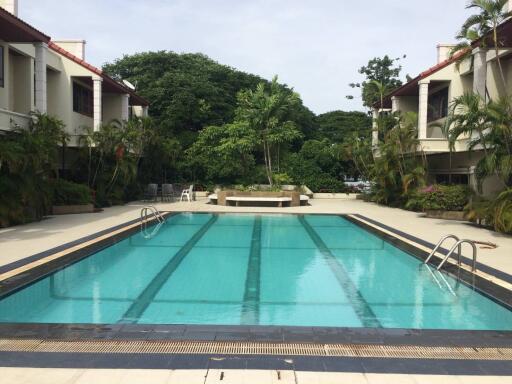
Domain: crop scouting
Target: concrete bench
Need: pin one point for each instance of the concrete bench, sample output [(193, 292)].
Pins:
[(278, 200), (237, 199)]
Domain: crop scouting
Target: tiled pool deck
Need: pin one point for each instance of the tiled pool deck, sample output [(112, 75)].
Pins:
[(20, 242)]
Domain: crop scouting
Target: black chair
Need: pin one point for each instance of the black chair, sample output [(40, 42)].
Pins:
[(168, 192), (151, 192)]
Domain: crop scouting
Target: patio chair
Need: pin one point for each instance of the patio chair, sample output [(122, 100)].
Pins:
[(167, 192), (188, 193), (151, 192)]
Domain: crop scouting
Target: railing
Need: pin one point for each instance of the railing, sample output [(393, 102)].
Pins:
[(459, 244), (146, 214), (10, 119), (443, 239)]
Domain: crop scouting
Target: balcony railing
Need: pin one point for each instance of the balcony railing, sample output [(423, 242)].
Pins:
[(10, 119)]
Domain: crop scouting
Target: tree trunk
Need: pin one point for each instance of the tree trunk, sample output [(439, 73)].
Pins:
[(498, 60)]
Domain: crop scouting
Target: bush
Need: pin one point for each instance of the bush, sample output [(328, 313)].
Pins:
[(439, 197), (69, 193)]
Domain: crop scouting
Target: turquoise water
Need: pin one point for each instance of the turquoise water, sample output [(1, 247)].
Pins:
[(310, 270)]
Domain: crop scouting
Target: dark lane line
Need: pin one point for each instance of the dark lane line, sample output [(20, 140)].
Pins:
[(149, 293), (250, 307), (361, 307)]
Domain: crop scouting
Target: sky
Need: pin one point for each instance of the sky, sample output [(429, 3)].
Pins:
[(314, 46)]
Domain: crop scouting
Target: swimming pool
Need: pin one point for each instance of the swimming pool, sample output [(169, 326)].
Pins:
[(244, 269)]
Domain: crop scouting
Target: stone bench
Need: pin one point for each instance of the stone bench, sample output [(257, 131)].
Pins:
[(258, 199)]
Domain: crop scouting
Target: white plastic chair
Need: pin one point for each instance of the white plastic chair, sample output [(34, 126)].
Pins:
[(188, 193)]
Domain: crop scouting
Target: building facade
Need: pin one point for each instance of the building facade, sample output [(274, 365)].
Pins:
[(430, 95), (40, 74)]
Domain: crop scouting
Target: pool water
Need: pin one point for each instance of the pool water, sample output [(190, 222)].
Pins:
[(290, 270)]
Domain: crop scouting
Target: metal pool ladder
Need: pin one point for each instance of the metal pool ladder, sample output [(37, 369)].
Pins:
[(458, 246), (145, 212), (151, 210)]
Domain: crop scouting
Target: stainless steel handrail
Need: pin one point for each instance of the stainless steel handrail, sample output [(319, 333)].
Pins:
[(459, 244), (155, 212), (443, 239)]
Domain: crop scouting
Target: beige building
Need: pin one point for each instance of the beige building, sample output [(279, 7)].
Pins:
[(40, 74), (430, 94)]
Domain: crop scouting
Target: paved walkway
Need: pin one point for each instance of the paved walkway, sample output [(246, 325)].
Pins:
[(138, 376), (22, 241)]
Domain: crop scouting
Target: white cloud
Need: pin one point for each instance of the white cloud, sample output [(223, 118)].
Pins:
[(314, 46)]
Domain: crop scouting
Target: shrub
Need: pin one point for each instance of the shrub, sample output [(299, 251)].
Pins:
[(69, 193), (439, 197), (496, 213)]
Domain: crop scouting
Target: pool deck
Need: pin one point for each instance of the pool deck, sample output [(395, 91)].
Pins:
[(153, 376), (20, 242)]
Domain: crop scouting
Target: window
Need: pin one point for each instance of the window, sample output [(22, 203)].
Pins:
[(438, 105), (82, 100), (457, 178), (1, 66)]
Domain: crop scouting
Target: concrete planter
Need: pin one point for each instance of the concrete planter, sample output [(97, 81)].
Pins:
[(344, 196), (72, 209), (445, 215)]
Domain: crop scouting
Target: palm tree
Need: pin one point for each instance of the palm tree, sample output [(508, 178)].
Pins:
[(492, 122), (267, 112), (400, 165), (491, 14)]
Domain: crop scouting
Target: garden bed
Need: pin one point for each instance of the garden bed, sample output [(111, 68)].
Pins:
[(72, 209), (445, 215)]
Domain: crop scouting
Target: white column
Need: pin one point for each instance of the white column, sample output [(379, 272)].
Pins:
[(97, 110), (375, 128), (479, 72), (145, 111), (125, 100), (40, 83), (395, 106), (423, 109)]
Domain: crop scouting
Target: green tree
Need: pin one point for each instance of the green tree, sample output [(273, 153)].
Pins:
[(400, 165), (492, 123), (266, 111), (28, 161), (491, 13), (224, 153), (339, 126), (383, 71)]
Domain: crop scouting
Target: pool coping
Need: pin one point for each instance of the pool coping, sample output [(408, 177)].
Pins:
[(76, 250)]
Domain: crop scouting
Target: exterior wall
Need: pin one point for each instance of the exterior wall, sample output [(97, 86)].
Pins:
[(112, 107), (76, 47), (495, 87), (4, 91), (21, 89), (463, 163)]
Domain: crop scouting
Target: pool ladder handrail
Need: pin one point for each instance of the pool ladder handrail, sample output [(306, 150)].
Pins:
[(459, 244), (440, 242), (154, 212)]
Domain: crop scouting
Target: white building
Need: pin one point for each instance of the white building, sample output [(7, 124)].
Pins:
[(39, 74), (430, 93)]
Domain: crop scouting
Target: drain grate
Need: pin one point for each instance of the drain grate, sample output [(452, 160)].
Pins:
[(241, 348)]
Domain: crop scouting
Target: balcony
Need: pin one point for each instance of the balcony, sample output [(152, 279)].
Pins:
[(10, 120)]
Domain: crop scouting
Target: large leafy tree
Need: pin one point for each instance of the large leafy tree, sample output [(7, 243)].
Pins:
[(381, 77), (339, 126), (28, 160), (266, 110)]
